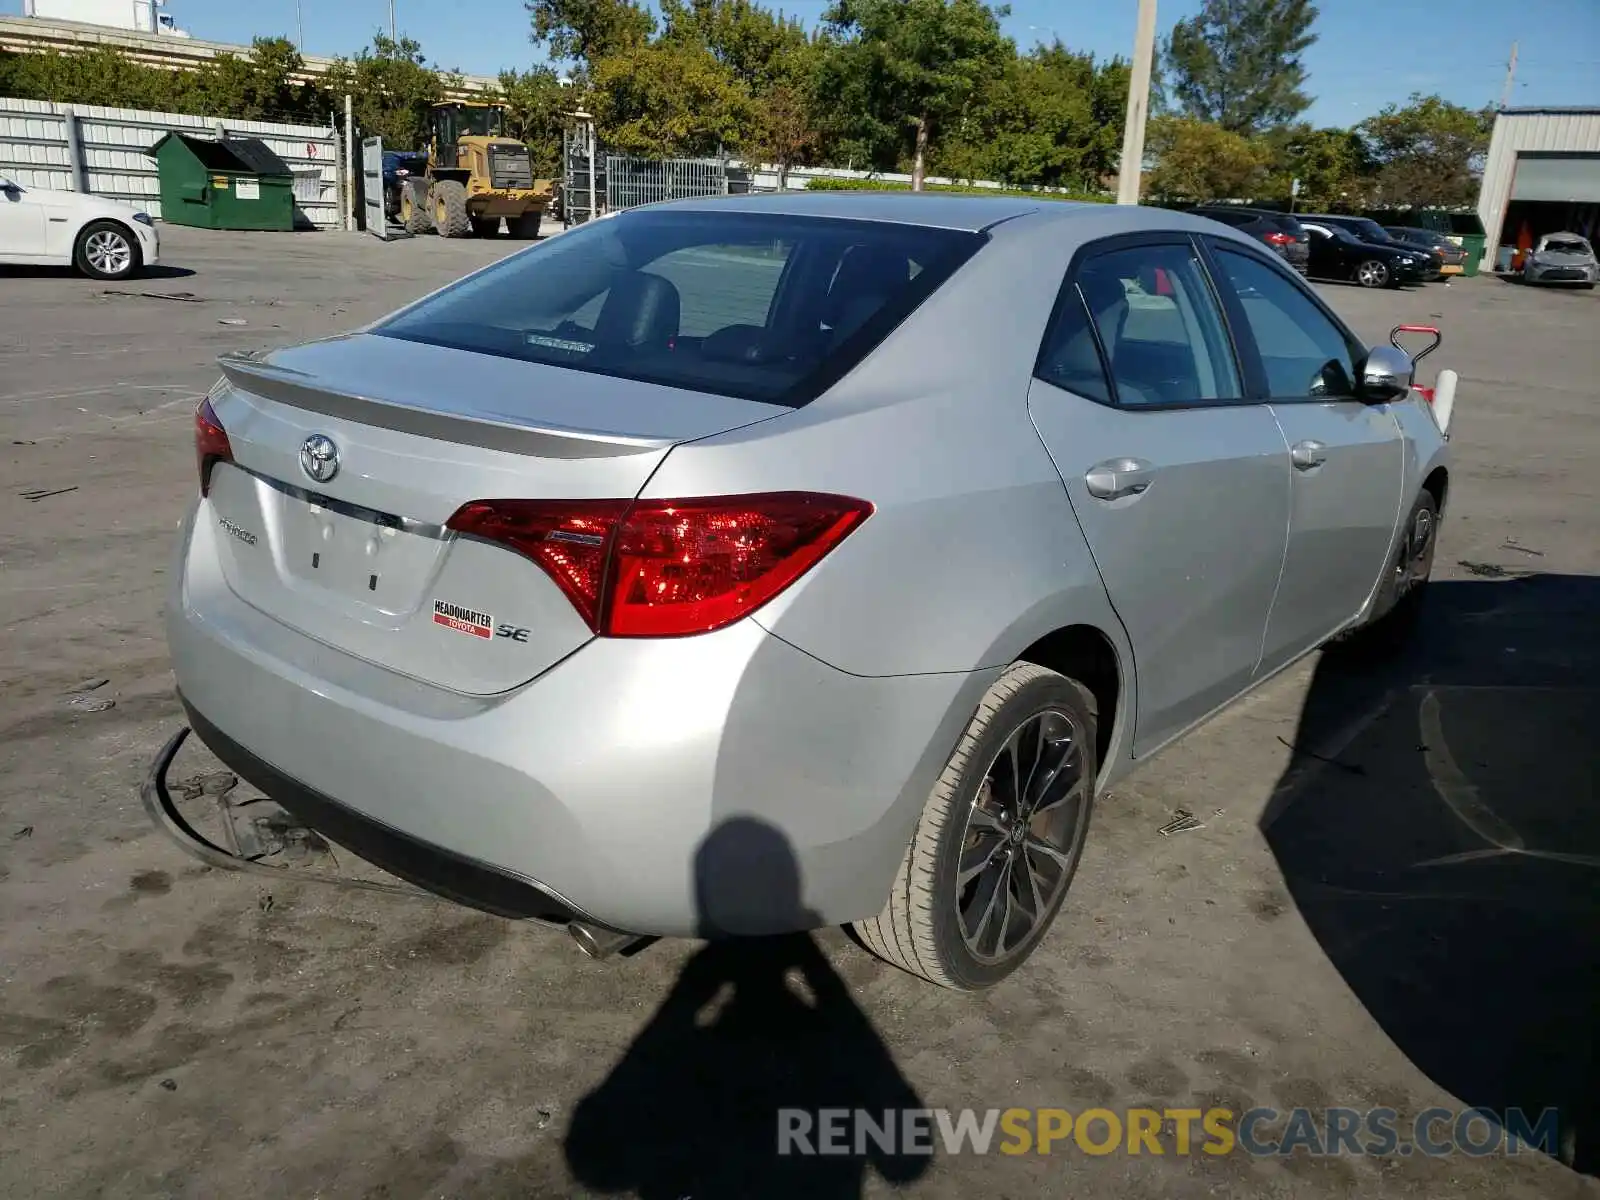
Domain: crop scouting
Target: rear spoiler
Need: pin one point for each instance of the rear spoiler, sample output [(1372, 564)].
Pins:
[(251, 374)]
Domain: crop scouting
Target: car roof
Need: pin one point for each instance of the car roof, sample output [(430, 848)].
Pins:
[(1241, 208), (948, 211)]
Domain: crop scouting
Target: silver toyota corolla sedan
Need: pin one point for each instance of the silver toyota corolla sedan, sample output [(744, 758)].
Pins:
[(748, 565)]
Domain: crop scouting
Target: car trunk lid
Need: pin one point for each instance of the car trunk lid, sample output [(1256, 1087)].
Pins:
[(351, 455)]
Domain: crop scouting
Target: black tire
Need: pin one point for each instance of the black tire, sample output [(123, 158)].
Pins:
[(413, 215), (1371, 273), (526, 226), (1397, 608), (485, 227), (920, 928), (448, 203), (107, 250)]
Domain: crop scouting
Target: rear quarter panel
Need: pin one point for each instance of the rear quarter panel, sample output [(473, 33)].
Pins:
[(973, 551)]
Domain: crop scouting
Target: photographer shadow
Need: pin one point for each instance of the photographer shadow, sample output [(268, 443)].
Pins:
[(753, 1026), (1440, 835)]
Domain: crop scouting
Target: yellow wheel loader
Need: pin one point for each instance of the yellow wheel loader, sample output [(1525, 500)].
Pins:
[(475, 177)]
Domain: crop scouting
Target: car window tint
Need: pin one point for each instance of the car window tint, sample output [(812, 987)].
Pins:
[(724, 283), (764, 306), (1160, 326), (1070, 359), (1302, 351)]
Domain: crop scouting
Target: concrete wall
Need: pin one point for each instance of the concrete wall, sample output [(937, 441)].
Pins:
[(85, 148), (1569, 130)]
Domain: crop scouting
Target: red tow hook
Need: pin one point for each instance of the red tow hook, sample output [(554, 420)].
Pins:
[(1394, 340)]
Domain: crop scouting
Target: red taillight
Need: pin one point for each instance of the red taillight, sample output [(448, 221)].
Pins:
[(1281, 239), (668, 568), (210, 443), (570, 539)]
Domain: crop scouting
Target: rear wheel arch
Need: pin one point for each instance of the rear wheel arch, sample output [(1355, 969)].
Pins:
[(1437, 484), (1085, 654)]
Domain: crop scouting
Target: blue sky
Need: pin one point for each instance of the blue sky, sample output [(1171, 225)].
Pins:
[(1458, 49)]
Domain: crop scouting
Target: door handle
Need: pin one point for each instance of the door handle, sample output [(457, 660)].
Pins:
[(1119, 477), (1308, 454)]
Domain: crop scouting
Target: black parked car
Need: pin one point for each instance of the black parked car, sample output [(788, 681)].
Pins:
[(1367, 230), (1336, 253), (397, 166), (1278, 230), (1453, 254)]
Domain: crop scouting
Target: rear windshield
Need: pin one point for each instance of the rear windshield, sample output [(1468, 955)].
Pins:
[(760, 306), (1290, 225)]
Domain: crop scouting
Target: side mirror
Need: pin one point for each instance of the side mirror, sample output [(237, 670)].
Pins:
[(1386, 374)]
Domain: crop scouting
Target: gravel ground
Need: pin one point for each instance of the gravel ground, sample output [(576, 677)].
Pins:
[(1400, 913)]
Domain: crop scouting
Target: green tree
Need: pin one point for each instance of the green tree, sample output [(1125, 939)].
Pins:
[(1237, 63), (1199, 160), (900, 73), (1332, 165), (393, 89), (102, 75), (669, 98), (783, 131), (588, 30), (536, 103), (759, 46), (1428, 153), (260, 87)]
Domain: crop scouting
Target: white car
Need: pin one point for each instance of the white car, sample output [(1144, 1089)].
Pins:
[(105, 239)]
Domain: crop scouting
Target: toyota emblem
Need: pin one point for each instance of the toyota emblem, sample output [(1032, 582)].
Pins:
[(319, 458)]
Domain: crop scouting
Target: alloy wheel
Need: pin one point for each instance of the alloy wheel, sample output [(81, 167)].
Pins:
[(108, 252), (1023, 836), (1372, 274), (1411, 567)]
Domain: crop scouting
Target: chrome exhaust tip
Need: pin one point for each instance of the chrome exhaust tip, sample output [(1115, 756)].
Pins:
[(601, 943)]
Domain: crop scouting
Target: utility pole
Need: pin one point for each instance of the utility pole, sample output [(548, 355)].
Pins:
[(299, 29), (1511, 75), (1144, 50), (393, 36)]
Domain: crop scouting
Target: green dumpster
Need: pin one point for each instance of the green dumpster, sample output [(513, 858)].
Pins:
[(227, 183), (1473, 244)]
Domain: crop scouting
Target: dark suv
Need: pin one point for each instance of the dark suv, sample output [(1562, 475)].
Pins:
[(1278, 230)]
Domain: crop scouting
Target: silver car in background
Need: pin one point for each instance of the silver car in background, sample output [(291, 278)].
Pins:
[(750, 565), (1562, 258)]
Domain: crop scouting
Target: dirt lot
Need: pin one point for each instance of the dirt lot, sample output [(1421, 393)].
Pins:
[(1403, 912)]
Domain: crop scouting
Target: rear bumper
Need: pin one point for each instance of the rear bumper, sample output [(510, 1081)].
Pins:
[(721, 783), (1298, 257)]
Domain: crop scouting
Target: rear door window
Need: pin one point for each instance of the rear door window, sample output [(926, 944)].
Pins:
[(762, 306), (1155, 322)]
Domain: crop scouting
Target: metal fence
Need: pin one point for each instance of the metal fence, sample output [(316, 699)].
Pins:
[(623, 181), (631, 182), (101, 151)]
